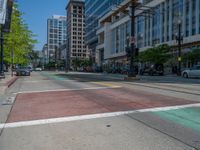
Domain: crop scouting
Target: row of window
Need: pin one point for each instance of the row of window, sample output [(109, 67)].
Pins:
[(79, 55), (78, 29), (78, 46), (79, 25), (78, 51), (78, 20), (79, 42), (55, 36), (79, 37), (79, 33)]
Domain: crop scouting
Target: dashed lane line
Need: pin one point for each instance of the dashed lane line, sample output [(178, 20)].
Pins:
[(89, 117)]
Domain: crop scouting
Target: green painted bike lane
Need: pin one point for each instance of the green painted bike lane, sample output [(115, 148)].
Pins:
[(187, 117), (53, 76)]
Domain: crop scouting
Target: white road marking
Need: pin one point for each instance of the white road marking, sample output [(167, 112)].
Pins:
[(88, 117), (61, 90), (38, 81)]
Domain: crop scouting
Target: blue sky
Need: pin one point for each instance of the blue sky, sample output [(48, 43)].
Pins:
[(36, 13)]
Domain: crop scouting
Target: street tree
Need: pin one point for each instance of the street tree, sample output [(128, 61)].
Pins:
[(157, 55), (76, 63), (192, 56), (19, 41), (86, 63)]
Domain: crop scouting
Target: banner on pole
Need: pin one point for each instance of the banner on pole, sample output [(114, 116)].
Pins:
[(3, 5)]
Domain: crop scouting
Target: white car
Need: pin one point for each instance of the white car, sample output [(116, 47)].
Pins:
[(193, 72), (38, 69)]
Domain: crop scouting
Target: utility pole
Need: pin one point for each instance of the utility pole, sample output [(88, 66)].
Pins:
[(131, 72)]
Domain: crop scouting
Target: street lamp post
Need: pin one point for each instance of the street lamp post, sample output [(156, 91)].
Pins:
[(179, 39), (131, 72)]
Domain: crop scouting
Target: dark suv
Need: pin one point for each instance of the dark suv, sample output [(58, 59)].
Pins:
[(156, 69)]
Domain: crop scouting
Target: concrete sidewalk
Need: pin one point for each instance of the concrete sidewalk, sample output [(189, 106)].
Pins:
[(6, 82)]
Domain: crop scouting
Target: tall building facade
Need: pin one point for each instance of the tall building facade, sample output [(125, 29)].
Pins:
[(56, 35), (94, 10), (160, 27), (76, 48)]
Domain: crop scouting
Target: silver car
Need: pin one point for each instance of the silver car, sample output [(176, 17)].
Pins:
[(193, 72)]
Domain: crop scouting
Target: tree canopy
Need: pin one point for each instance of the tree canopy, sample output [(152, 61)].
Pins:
[(19, 40), (192, 56), (77, 63), (157, 55)]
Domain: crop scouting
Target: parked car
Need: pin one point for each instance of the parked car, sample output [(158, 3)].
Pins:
[(30, 68), (38, 69), (156, 69), (193, 72), (23, 72)]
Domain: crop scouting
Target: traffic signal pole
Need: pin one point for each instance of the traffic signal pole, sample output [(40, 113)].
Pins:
[(179, 49), (132, 72)]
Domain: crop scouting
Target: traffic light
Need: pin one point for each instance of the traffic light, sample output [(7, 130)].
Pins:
[(128, 52), (136, 52)]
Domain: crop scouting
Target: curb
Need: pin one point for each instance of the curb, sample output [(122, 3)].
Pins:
[(11, 82), (8, 84)]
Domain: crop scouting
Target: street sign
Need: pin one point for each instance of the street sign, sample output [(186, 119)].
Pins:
[(3, 5)]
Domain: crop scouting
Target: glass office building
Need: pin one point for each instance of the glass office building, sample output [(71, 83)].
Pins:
[(56, 34), (95, 9), (159, 27)]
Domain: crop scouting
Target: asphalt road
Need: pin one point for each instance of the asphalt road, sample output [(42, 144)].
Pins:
[(58, 111)]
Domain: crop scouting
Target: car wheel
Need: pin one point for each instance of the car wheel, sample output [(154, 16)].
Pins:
[(185, 75)]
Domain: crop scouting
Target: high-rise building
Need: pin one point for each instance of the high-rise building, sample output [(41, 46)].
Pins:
[(159, 27), (95, 9), (56, 34), (76, 48)]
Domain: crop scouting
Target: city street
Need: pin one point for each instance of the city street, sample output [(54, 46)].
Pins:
[(88, 111)]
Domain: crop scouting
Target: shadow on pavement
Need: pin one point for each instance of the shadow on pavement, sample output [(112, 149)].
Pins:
[(90, 77)]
